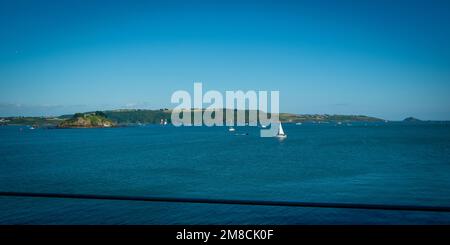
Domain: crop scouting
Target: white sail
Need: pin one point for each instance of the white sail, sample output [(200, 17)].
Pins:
[(280, 130)]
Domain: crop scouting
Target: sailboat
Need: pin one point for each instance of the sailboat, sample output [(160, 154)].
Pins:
[(281, 133)]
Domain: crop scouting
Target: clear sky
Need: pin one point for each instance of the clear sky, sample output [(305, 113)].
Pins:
[(389, 59)]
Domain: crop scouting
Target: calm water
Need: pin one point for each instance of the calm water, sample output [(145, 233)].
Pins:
[(376, 163)]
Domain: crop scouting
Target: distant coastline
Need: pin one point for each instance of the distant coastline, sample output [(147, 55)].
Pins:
[(126, 117)]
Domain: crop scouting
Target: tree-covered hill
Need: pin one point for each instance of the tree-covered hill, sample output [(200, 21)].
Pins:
[(141, 116), (87, 120)]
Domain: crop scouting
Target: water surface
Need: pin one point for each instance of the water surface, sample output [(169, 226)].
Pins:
[(386, 163)]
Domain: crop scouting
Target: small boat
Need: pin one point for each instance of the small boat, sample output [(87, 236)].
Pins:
[(31, 128), (299, 123), (231, 129), (281, 133)]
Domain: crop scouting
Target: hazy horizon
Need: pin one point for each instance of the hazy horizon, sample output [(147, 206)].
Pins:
[(383, 59)]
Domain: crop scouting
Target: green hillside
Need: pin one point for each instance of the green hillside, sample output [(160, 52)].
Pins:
[(87, 120), (140, 116)]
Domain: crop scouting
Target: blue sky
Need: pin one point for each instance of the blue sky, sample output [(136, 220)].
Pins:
[(389, 59)]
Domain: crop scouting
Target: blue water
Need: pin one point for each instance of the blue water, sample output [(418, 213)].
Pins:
[(387, 163)]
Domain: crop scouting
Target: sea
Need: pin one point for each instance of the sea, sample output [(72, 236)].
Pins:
[(391, 163)]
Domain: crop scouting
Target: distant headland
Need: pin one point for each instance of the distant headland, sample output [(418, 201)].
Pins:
[(96, 119), (411, 119), (124, 117)]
